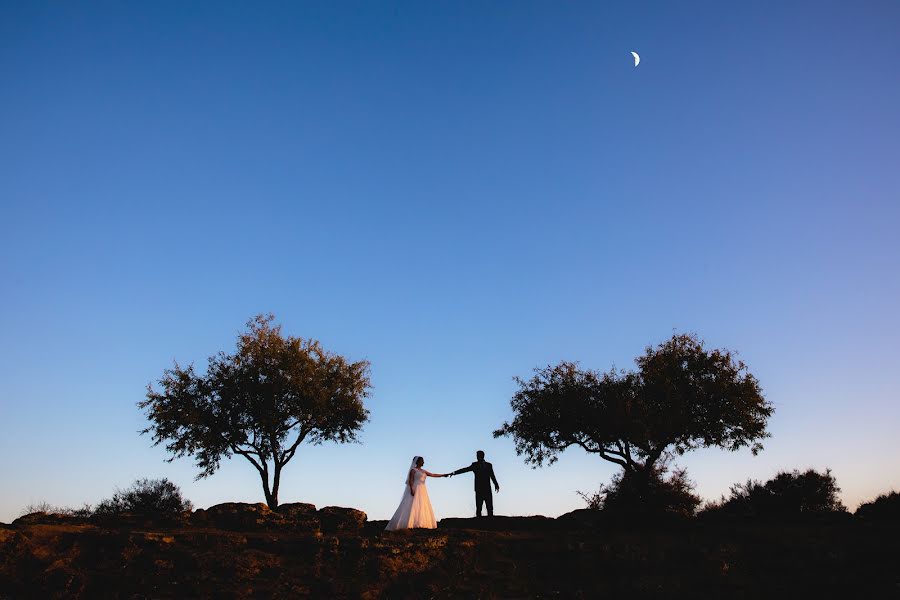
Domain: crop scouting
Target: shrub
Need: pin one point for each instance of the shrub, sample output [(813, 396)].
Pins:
[(45, 507), (646, 494), (787, 494), (885, 507), (594, 501), (85, 511), (146, 496)]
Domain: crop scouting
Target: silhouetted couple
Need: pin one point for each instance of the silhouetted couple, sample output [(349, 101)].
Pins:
[(415, 508)]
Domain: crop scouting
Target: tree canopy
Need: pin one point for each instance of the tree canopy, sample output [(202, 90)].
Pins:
[(261, 402), (681, 397)]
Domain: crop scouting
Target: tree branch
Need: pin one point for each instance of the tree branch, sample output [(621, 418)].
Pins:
[(603, 452), (619, 452), (289, 453), (588, 449), (598, 447), (276, 457), (653, 454), (618, 461), (628, 457), (292, 425), (247, 454)]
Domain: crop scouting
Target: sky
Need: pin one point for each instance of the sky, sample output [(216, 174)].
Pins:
[(459, 193)]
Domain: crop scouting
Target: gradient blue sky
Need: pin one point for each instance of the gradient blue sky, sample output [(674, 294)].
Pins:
[(457, 192)]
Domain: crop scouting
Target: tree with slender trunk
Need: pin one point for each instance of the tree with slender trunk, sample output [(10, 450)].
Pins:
[(261, 403)]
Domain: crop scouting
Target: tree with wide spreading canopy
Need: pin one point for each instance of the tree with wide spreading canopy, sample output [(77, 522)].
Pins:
[(681, 397), (261, 403)]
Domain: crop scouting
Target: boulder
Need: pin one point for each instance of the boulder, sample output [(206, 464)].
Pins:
[(292, 510), (337, 518), (237, 516), (300, 516)]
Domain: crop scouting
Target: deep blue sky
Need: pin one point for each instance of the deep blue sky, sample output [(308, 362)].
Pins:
[(458, 192)]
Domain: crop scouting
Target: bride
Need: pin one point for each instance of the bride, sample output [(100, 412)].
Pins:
[(415, 507)]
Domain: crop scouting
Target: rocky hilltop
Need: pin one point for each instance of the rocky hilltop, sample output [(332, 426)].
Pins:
[(239, 550)]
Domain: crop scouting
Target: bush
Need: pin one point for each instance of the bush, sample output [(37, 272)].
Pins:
[(646, 494), (594, 501), (785, 495), (885, 507), (146, 496), (45, 507)]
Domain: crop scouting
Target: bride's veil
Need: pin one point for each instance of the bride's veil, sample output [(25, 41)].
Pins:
[(411, 467)]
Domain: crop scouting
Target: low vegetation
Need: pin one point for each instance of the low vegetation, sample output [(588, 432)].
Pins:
[(657, 495), (144, 496), (885, 507), (788, 494)]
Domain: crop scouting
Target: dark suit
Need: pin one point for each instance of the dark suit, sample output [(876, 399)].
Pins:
[(484, 475)]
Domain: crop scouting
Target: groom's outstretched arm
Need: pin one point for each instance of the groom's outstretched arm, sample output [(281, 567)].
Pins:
[(463, 470)]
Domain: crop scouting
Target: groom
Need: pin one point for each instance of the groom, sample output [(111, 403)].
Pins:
[(484, 474)]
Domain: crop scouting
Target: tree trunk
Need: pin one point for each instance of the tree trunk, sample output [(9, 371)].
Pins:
[(271, 495), (640, 481), (271, 498), (276, 483)]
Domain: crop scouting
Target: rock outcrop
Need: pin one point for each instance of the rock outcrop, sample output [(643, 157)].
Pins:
[(238, 550)]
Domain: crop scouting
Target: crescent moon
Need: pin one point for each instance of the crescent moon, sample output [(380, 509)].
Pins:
[(637, 58)]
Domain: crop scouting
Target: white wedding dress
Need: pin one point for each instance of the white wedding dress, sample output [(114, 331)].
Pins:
[(414, 510)]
